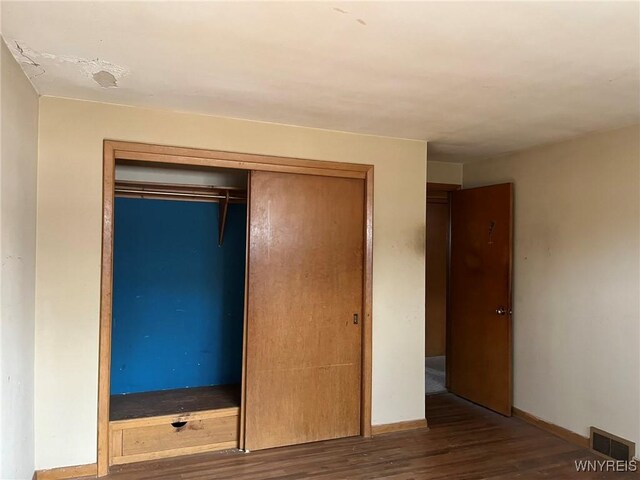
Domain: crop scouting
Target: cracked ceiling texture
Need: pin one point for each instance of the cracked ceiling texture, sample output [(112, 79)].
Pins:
[(475, 79)]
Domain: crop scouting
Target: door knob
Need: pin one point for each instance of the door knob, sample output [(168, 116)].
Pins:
[(501, 311)]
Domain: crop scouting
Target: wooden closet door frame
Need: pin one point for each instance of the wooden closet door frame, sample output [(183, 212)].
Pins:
[(150, 154)]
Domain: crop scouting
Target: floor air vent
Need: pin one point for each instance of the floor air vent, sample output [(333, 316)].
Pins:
[(611, 445)]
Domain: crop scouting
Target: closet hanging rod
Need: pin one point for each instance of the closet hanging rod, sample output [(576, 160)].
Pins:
[(134, 191), (137, 189)]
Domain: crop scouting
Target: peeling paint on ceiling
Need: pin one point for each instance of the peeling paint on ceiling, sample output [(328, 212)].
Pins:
[(105, 79), (36, 64)]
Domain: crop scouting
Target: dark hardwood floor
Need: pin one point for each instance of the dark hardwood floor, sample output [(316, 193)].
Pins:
[(464, 441)]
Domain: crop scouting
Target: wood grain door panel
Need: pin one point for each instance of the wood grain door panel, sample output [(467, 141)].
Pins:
[(303, 352), (479, 348)]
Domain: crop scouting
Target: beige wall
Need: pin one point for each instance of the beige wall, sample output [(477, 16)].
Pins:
[(576, 279), (19, 133), (445, 172), (69, 239)]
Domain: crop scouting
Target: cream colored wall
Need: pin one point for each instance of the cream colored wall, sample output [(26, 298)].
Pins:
[(444, 172), (576, 279), (19, 133), (69, 240)]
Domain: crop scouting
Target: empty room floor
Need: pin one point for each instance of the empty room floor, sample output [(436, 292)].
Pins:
[(464, 441)]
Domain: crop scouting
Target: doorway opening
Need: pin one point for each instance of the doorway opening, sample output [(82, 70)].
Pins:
[(468, 293), (178, 289), (438, 227)]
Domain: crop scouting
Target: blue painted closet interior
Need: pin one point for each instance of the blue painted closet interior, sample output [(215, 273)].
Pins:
[(178, 297)]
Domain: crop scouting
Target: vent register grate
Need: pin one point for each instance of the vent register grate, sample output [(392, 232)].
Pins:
[(611, 445)]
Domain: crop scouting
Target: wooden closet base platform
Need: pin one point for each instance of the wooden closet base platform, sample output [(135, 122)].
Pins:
[(148, 426), (173, 402)]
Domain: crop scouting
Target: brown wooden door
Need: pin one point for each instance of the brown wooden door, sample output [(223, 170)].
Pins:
[(479, 347), (305, 279)]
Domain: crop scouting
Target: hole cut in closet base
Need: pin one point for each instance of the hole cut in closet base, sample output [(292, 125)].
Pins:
[(173, 402)]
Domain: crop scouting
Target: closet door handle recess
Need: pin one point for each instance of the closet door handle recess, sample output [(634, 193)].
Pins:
[(355, 319), (178, 424)]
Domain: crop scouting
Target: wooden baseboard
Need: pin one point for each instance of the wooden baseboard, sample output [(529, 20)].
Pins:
[(399, 426), (552, 428), (63, 473)]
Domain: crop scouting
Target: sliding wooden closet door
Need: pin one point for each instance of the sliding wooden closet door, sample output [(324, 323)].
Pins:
[(303, 352)]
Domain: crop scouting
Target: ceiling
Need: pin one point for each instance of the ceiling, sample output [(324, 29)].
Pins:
[(474, 79)]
